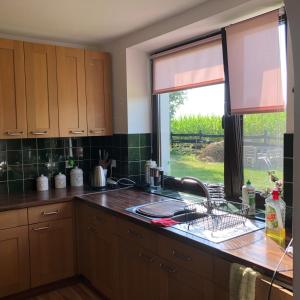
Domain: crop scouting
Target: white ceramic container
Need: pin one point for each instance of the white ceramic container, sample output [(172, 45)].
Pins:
[(60, 181), (42, 183), (76, 177)]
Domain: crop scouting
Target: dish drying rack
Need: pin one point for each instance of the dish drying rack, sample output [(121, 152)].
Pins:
[(215, 215)]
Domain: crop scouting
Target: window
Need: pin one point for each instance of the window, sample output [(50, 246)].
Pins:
[(192, 137), (192, 98)]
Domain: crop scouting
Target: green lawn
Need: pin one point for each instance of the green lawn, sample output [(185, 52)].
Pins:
[(213, 172)]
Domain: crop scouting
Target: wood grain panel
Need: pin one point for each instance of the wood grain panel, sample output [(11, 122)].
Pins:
[(98, 93), (14, 260), (13, 218), (74, 292), (50, 212), (51, 251), (71, 91), (277, 293), (12, 93), (41, 90)]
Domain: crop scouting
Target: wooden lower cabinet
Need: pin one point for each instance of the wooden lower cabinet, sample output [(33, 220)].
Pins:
[(14, 260), (138, 273), (51, 251), (96, 252)]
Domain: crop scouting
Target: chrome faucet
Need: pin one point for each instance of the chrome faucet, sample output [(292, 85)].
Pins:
[(201, 184)]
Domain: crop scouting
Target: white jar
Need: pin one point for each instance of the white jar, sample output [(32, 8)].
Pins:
[(76, 177), (60, 181), (42, 183)]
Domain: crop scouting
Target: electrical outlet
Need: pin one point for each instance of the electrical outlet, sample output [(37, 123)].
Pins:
[(113, 163)]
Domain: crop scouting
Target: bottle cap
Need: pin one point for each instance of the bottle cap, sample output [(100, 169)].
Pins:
[(275, 195), (248, 182)]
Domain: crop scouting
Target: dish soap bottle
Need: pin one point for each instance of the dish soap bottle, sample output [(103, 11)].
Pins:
[(248, 195), (275, 218)]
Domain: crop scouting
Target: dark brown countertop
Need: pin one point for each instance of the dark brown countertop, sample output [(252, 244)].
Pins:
[(23, 200), (254, 249)]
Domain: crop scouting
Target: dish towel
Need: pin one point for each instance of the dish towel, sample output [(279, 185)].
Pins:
[(242, 282), (164, 222)]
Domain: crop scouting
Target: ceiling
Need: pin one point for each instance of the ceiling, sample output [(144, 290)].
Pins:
[(84, 22)]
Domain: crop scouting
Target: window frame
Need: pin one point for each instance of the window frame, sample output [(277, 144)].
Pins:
[(232, 125)]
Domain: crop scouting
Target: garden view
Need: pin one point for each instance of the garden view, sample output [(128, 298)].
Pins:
[(202, 156)]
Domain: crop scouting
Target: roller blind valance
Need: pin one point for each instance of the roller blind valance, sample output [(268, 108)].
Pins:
[(254, 66), (196, 65)]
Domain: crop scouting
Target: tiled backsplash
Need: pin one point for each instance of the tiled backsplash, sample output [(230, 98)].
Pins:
[(22, 160)]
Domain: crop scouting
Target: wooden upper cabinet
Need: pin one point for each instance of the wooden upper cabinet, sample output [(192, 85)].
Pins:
[(98, 93), (41, 90), (71, 92), (12, 90)]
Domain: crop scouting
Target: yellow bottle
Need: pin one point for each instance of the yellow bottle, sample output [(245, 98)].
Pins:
[(275, 218)]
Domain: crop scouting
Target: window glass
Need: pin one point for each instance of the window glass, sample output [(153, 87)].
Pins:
[(192, 138)]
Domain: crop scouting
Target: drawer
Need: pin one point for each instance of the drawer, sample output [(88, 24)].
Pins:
[(137, 234), (102, 221), (13, 218), (187, 257), (50, 212)]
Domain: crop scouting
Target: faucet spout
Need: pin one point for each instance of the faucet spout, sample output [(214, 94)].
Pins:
[(200, 183)]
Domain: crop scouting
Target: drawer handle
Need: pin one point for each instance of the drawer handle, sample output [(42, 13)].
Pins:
[(39, 132), (134, 233), (167, 268), (77, 131), (50, 213), (181, 256), (14, 133), (40, 228), (97, 131), (146, 258)]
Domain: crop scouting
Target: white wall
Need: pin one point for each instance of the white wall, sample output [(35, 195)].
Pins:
[(293, 13), (138, 91), (204, 18)]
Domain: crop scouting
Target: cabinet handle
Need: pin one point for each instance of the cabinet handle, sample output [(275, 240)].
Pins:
[(76, 131), (167, 268), (44, 213), (14, 133), (134, 233), (97, 131), (40, 228), (39, 132), (146, 258), (181, 256)]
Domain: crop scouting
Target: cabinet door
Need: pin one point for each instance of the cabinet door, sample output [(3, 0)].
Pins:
[(12, 92), (51, 251), (71, 91), (139, 274), (179, 283), (96, 250), (102, 257), (98, 93), (14, 260), (41, 90)]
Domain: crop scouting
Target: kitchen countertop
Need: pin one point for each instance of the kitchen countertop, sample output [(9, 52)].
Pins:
[(254, 249), (34, 198)]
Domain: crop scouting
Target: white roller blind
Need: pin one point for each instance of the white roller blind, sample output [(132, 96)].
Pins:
[(254, 65), (195, 66)]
